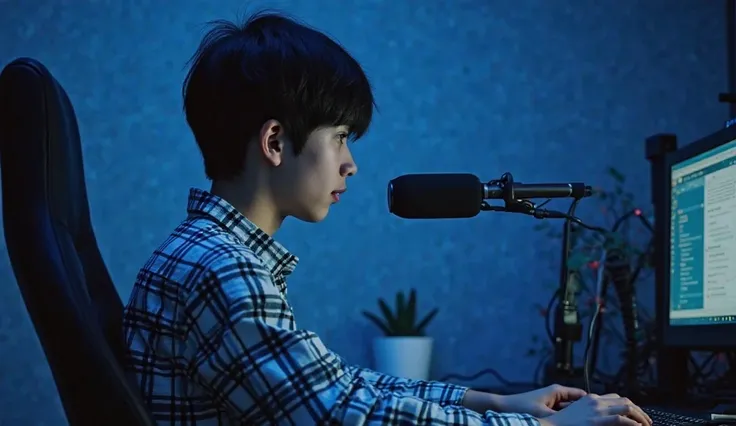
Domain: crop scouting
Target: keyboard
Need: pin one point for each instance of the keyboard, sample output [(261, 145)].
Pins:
[(663, 418)]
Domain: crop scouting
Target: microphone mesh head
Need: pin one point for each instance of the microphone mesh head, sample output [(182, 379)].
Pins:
[(435, 196)]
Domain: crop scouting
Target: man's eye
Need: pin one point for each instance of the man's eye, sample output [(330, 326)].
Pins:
[(342, 137)]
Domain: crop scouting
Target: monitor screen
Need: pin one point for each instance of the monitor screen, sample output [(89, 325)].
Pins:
[(702, 243)]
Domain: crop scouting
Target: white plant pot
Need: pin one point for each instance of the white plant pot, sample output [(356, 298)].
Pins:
[(406, 357)]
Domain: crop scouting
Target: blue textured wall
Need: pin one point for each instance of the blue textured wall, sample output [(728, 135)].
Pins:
[(549, 90)]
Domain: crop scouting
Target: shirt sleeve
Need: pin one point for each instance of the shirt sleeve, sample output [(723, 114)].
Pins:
[(263, 372), (439, 392)]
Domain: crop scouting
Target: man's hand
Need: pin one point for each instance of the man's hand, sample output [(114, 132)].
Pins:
[(562, 406), (541, 402), (606, 410)]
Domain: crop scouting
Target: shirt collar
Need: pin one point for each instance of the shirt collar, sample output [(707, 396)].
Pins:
[(274, 256)]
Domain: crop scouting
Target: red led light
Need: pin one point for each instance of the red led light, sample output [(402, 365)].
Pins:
[(637, 212)]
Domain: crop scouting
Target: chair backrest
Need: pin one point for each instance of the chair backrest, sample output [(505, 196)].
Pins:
[(64, 282)]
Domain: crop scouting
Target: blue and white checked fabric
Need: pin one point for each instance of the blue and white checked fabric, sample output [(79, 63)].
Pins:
[(212, 340)]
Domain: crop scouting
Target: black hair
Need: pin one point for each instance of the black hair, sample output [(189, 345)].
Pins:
[(269, 67)]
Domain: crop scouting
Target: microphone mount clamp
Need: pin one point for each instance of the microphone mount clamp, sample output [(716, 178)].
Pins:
[(503, 188)]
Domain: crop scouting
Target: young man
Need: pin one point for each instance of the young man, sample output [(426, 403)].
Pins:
[(211, 336)]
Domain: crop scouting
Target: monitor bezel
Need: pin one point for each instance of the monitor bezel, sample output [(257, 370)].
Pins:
[(706, 337)]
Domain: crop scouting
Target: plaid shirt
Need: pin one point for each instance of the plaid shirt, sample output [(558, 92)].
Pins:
[(212, 340)]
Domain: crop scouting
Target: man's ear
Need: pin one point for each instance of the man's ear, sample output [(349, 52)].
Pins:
[(271, 142)]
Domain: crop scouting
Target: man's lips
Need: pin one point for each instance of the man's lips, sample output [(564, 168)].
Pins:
[(336, 194)]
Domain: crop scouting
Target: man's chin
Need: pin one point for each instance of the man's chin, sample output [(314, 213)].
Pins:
[(314, 216)]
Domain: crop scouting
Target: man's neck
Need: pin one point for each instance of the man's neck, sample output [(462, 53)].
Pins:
[(251, 203)]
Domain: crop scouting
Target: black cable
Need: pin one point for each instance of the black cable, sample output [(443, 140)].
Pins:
[(502, 380), (638, 366), (699, 368), (547, 320), (473, 377), (594, 339), (528, 208), (586, 359), (597, 327), (539, 213), (711, 383), (629, 312)]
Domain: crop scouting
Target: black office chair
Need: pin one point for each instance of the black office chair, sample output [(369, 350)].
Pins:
[(65, 285)]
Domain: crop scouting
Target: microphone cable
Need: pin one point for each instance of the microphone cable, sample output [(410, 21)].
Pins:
[(601, 289)]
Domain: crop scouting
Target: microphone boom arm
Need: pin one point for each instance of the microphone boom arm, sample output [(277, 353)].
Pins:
[(506, 189)]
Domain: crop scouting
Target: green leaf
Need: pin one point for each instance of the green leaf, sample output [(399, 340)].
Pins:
[(616, 175), (387, 314), (401, 322), (377, 321), (400, 308), (404, 319), (577, 261), (411, 307), (614, 240), (425, 322)]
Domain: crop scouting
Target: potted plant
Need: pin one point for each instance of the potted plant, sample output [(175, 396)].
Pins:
[(404, 350)]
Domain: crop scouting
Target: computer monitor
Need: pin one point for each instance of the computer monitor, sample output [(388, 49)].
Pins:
[(701, 234)]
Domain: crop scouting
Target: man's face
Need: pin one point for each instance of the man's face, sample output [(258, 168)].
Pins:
[(309, 183)]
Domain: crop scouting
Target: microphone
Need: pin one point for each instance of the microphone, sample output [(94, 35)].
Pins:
[(460, 195)]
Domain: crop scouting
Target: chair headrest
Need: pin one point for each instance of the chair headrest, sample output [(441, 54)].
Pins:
[(41, 148)]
